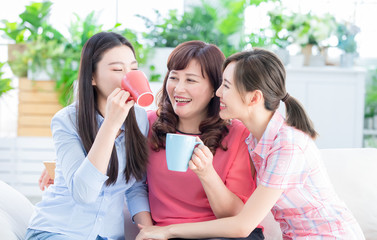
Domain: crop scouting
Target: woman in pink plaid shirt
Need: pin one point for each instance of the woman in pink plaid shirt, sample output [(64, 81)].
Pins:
[(292, 180)]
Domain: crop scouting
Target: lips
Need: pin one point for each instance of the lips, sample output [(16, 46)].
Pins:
[(222, 105), (182, 100)]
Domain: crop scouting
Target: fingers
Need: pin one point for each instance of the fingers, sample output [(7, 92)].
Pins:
[(43, 180), (206, 151), (114, 93)]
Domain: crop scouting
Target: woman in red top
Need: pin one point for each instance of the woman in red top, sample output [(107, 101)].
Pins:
[(213, 186)]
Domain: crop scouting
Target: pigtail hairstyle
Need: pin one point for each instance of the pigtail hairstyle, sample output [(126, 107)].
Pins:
[(135, 141), (213, 128), (259, 69)]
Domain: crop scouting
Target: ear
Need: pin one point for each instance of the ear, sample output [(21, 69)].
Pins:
[(253, 98), (93, 81)]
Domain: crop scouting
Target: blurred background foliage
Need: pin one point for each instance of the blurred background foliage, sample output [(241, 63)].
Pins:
[(40, 44)]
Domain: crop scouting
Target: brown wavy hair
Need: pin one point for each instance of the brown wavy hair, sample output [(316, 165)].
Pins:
[(259, 69), (213, 129), (136, 142)]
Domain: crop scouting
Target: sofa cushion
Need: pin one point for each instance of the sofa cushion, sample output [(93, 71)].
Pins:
[(353, 174), (15, 212)]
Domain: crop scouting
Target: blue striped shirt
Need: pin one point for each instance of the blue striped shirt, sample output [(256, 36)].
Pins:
[(79, 204)]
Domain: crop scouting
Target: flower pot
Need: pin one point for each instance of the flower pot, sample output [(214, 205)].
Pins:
[(347, 59), (18, 67), (307, 52), (283, 54)]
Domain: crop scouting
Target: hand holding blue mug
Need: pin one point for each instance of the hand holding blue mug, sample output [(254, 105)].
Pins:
[(179, 149), (201, 160)]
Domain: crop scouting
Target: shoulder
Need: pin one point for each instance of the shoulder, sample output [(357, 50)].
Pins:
[(237, 129), (152, 116), (142, 119), (291, 136), (68, 111), (65, 119)]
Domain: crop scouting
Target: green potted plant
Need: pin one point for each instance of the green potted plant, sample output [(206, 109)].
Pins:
[(308, 30), (221, 25), (346, 33), (34, 30)]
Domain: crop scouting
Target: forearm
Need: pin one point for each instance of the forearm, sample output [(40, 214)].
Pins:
[(241, 225), (143, 218), (225, 227), (100, 152), (224, 203)]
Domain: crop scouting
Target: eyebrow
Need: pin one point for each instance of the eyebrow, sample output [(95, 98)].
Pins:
[(187, 74), (122, 63), (227, 81)]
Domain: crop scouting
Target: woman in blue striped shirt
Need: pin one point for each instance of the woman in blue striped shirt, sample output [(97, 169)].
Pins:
[(101, 151)]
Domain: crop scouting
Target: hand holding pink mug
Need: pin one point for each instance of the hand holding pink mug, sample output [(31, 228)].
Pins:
[(136, 83)]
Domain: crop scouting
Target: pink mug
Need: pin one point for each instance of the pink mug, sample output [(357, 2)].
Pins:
[(136, 83)]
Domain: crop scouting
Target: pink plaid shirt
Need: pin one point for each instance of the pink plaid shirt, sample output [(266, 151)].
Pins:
[(286, 158)]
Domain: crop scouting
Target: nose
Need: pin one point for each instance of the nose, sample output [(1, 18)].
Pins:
[(127, 70), (219, 91), (180, 86)]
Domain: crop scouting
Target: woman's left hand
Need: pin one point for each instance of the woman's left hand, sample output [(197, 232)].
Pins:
[(201, 160), (152, 232)]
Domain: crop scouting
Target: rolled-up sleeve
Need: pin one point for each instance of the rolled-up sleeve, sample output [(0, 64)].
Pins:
[(137, 198), (83, 180)]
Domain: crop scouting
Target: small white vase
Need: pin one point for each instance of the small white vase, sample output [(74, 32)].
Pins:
[(347, 59)]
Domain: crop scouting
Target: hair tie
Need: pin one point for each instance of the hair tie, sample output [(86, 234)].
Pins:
[(285, 97)]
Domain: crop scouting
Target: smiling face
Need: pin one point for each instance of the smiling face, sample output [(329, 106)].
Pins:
[(110, 70), (189, 92), (231, 103)]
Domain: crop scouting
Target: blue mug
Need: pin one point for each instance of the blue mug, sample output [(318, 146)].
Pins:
[(179, 149)]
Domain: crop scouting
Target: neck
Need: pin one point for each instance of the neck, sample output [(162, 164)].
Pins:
[(101, 107), (257, 123), (189, 125)]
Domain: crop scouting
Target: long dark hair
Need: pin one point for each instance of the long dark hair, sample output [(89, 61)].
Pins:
[(213, 128), (259, 69), (136, 143)]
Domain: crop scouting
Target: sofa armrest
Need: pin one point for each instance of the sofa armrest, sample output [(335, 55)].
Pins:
[(15, 212)]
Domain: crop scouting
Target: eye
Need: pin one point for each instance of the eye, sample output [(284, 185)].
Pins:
[(226, 86), (172, 78), (191, 80), (118, 70)]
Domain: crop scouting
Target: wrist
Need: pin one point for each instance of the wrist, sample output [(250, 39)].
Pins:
[(109, 127), (207, 175), (170, 232)]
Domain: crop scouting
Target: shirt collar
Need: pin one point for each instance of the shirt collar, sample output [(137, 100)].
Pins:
[(100, 120), (265, 143)]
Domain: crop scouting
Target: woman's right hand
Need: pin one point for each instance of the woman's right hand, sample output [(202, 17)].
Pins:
[(45, 180), (117, 108)]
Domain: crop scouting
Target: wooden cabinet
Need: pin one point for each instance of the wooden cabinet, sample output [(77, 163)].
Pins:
[(38, 102)]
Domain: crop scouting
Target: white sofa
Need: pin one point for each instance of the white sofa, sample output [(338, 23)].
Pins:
[(352, 172)]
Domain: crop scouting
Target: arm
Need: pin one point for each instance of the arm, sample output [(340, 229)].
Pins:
[(85, 175), (138, 204), (224, 203), (116, 112), (255, 209)]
